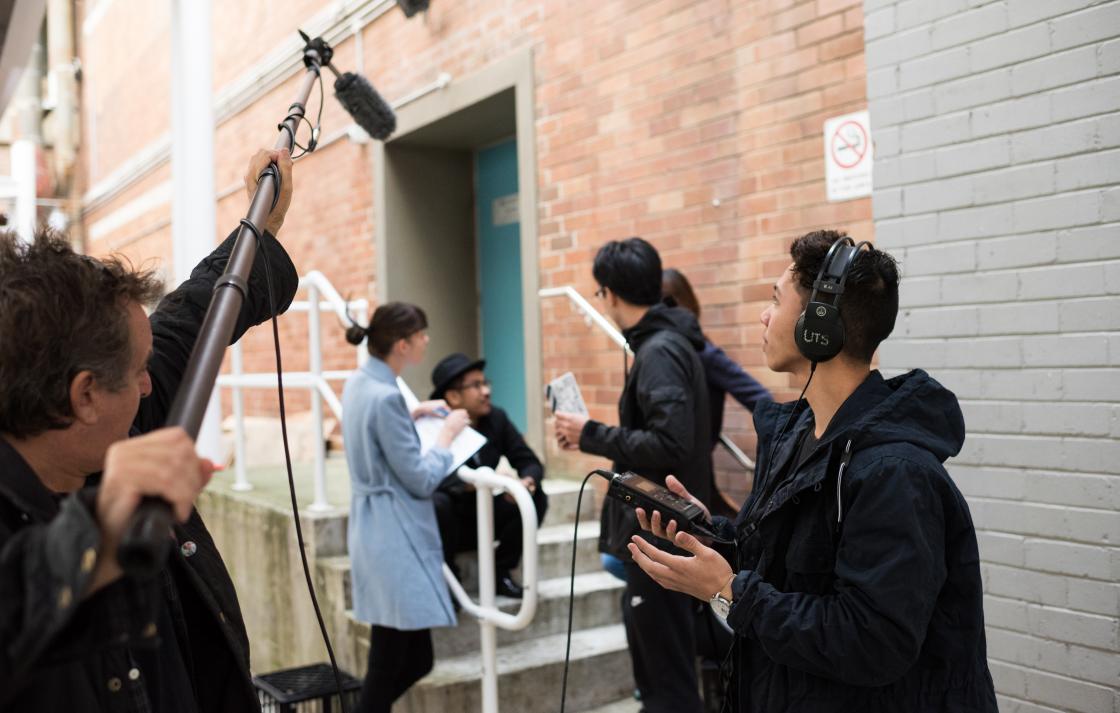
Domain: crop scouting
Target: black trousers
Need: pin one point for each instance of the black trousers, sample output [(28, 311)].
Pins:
[(660, 632), (456, 513), (397, 659)]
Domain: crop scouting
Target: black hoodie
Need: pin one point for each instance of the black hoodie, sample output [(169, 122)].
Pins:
[(859, 577), (663, 418)]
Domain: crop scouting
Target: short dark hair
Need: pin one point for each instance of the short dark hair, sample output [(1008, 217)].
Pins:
[(674, 284), (63, 313), (631, 269), (869, 305), (392, 322)]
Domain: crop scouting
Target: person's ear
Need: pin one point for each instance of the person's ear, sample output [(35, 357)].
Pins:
[(453, 398), (84, 397)]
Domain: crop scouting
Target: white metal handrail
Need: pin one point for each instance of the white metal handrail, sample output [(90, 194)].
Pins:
[(321, 296), (494, 483), (593, 316), (487, 483)]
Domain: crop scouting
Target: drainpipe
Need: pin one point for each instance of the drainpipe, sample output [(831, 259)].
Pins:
[(62, 80), (25, 150), (193, 209)]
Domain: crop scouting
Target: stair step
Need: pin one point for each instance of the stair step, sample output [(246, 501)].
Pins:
[(596, 604), (626, 705), (530, 676), (563, 496)]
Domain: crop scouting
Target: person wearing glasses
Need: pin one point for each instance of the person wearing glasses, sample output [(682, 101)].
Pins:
[(663, 428), (462, 383)]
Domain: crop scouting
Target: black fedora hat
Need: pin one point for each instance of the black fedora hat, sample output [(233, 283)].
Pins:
[(450, 368)]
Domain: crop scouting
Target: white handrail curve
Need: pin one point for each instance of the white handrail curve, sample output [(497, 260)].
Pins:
[(589, 312), (496, 483)]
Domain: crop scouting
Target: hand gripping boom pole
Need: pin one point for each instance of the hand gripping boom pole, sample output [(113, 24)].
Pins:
[(146, 541)]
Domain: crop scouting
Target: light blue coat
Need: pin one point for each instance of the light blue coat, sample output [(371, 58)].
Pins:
[(396, 556)]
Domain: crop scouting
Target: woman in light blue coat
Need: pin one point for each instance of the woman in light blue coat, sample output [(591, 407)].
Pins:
[(395, 551)]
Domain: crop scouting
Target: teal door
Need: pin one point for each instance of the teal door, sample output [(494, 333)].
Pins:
[(499, 277)]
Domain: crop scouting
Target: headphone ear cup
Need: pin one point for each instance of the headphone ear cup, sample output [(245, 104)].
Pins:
[(820, 332), (798, 331)]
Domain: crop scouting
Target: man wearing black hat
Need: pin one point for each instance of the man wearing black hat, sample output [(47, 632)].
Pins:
[(461, 382)]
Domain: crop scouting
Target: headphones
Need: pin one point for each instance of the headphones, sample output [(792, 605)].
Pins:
[(820, 332)]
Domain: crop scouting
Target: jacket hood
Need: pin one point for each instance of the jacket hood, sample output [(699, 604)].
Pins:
[(910, 408), (663, 317)]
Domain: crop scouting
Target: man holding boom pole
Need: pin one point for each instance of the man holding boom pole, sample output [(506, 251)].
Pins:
[(86, 380)]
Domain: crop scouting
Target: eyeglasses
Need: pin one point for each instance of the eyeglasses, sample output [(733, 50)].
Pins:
[(601, 292), (483, 383)]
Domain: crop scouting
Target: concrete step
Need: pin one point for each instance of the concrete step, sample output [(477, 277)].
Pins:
[(563, 496), (554, 559), (596, 604), (626, 705), (530, 675)]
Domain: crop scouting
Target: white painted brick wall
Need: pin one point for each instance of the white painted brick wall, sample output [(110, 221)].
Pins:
[(997, 184)]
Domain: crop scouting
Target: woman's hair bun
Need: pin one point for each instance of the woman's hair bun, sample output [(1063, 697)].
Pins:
[(355, 334)]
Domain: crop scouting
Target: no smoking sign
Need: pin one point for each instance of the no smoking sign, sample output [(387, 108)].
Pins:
[(848, 156)]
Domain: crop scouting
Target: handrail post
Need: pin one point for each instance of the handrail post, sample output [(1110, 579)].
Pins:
[(316, 365), (486, 596), (241, 476)]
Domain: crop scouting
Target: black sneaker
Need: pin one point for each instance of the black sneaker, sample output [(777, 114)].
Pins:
[(505, 586)]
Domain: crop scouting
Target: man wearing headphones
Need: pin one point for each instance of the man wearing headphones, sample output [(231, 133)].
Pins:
[(854, 581)]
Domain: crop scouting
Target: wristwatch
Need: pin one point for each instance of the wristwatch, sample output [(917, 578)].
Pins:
[(720, 604)]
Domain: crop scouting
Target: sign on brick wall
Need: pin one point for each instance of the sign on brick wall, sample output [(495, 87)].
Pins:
[(847, 156)]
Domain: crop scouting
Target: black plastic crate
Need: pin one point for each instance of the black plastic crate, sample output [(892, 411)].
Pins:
[(306, 689)]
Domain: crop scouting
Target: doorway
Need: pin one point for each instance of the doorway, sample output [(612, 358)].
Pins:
[(457, 231)]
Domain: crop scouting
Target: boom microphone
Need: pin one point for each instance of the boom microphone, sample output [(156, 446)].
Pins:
[(365, 105), (411, 7)]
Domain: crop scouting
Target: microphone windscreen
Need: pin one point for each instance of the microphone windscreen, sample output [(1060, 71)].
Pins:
[(411, 7), (365, 105)]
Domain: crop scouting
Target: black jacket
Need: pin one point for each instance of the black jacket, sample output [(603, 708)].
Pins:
[(62, 651), (663, 418), (861, 591), (502, 439)]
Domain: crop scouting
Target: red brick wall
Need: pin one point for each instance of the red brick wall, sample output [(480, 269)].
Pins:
[(694, 124)]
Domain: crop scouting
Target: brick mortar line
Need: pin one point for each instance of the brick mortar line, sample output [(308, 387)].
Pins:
[(1037, 637), (1055, 506), (1048, 470), (1047, 538), (1063, 609), (968, 44), (1034, 705), (897, 339), (934, 149), (1052, 673), (969, 111), (1013, 202), (1027, 471), (1013, 401), (1005, 168), (1008, 303)]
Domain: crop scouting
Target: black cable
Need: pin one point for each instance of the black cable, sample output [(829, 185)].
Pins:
[(302, 117), (778, 440), (727, 680), (572, 593), (275, 172)]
